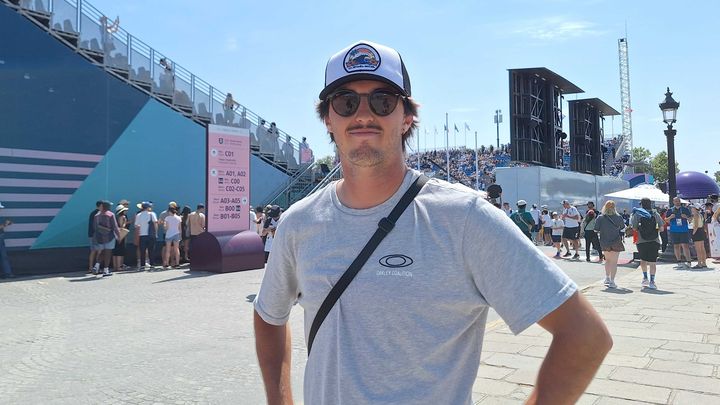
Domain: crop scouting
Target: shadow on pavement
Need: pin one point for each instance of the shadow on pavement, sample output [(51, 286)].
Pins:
[(88, 278), (188, 275), (618, 290), (656, 292), (697, 270)]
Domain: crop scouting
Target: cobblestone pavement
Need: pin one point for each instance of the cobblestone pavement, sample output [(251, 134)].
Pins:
[(666, 345), (170, 337), (180, 337)]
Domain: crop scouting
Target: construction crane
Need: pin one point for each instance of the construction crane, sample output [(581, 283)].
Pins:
[(627, 143)]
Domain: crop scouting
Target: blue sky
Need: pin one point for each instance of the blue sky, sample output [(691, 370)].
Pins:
[(272, 55)]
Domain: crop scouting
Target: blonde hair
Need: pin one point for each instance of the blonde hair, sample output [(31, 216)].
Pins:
[(609, 208), (697, 218)]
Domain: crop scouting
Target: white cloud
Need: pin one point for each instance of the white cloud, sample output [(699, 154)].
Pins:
[(555, 28), (231, 44)]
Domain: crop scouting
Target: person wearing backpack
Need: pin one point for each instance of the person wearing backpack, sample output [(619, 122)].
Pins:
[(591, 237), (523, 219), (647, 222), (105, 233)]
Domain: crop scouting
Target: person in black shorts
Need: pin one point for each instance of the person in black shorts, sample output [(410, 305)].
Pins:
[(571, 217), (698, 235), (647, 248)]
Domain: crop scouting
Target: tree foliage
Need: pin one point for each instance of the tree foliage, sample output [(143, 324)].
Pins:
[(641, 154), (328, 160), (717, 177), (659, 165)]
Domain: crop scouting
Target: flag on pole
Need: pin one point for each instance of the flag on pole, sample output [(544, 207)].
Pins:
[(467, 126), (446, 128), (456, 129)]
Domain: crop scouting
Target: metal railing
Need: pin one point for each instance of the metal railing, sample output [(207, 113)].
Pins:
[(335, 174), (306, 175), (104, 42)]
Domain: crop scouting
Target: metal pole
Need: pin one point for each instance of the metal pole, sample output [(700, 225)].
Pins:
[(668, 255), (447, 146), (497, 126), (672, 187), (477, 175)]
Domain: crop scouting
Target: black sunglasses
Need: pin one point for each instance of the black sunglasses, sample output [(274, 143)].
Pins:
[(346, 102)]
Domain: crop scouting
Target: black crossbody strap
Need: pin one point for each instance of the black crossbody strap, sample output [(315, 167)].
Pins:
[(384, 227)]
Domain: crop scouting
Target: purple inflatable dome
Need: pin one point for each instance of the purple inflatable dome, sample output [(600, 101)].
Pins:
[(693, 185)]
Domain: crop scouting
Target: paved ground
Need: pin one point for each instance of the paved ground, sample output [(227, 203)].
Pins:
[(177, 337)]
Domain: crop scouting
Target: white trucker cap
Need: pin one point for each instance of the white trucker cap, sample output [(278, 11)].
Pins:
[(365, 60)]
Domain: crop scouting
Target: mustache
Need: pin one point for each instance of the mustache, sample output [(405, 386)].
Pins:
[(369, 126)]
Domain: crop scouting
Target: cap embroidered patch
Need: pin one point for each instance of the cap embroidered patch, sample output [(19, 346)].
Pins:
[(362, 57)]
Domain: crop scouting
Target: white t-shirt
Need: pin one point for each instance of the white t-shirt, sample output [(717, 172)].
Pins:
[(557, 227), (381, 343), (253, 218), (569, 222), (546, 220), (172, 225), (269, 238), (142, 218)]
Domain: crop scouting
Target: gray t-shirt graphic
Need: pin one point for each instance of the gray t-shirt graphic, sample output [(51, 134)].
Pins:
[(409, 328)]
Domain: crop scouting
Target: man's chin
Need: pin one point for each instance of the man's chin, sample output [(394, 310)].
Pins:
[(365, 156)]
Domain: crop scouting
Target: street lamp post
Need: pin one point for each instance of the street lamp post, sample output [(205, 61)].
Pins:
[(669, 109), (498, 120)]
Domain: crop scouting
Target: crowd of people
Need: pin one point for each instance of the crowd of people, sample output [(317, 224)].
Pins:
[(605, 230), (614, 164), (462, 164), (433, 163), (109, 231)]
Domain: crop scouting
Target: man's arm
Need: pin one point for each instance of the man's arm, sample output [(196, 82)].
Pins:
[(272, 344), (580, 343)]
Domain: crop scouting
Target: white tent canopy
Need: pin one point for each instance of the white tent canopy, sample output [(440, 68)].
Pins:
[(642, 191)]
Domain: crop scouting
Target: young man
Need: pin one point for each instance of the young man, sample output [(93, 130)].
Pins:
[(588, 228), (146, 223), (196, 221), (535, 212), (571, 232), (557, 230), (377, 344), (677, 217), (647, 222), (507, 209), (105, 233), (93, 262), (523, 219)]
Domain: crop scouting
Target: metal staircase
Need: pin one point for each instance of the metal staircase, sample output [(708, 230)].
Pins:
[(104, 43)]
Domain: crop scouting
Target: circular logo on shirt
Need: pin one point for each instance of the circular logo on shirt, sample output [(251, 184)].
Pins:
[(395, 261)]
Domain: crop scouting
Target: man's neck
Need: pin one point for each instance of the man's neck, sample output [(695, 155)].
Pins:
[(363, 187)]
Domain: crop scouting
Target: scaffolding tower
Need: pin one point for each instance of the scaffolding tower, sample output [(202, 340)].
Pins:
[(627, 142)]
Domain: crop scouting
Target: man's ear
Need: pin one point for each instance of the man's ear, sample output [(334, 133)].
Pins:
[(327, 124), (407, 122)]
